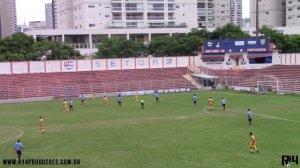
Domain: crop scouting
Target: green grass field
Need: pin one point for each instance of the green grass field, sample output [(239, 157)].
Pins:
[(171, 134)]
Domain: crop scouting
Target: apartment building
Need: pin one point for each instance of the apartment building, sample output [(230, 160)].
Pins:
[(271, 13), (37, 25), (93, 14), (49, 15), (64, 14), (292, 13), (215, 13), (8, 18), (54, 13)]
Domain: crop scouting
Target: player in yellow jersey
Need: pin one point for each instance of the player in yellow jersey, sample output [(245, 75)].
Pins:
[(42, 125), (210, 103), (106, 100), (66, 106), (253, 147), (136, 97)]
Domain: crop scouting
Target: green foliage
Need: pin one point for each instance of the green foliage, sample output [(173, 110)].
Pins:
[(175, 45), (284, 43), (120, 48), (20, 47), (229, 31), (54, 50), (16, 47)]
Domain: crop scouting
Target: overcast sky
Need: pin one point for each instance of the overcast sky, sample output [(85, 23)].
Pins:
[(34, 10)]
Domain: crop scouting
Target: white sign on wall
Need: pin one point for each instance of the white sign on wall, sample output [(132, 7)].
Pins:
[(182, 61), (156, 63), (113, 64), (84, 65), (68, 66), (20, 67), (169, 62), (142, 63), (53, 66), (104, 64), (5, 68), (99, 64), (128, 63), (37, 66)]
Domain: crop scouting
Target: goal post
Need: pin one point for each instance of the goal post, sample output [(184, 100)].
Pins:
[(267, 86)]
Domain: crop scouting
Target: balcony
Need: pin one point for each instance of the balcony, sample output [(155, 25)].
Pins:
[(134, 9), (156, 9), (156, 18), (134, 18), (116, 9), (117, 17), (134, 1), (171, 18)]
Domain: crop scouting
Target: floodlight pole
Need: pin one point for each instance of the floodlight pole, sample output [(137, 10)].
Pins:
[(257, 23)]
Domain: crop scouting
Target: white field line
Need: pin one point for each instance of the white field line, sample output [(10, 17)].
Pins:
[(10, 139), (260, 115)]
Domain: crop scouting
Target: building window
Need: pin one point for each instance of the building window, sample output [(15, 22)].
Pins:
[(290, 9), (91, 6), (267, 13), (106, 15), (92, 25)]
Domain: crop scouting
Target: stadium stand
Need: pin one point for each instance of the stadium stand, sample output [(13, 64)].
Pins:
[(73, 83), (288, 76)]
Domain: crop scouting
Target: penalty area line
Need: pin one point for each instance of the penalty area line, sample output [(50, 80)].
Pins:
[(276, 118), (10, 139)]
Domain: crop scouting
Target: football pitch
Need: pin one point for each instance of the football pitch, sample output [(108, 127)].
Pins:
[(170, 134)]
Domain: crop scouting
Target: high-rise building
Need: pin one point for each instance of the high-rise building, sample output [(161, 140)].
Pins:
[(292, 13), (22, 28), (205, 13), (215, 13), (54, 13), (37, 25), (236, 12), (270, 13), (93, 14), (8, 18), (49, 15), (64, 14)]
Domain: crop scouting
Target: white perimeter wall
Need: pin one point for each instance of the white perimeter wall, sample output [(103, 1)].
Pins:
[(96, 64), (289, 59)]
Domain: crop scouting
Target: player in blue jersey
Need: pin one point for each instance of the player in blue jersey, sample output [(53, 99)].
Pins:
[(195, 99), (249, 114), (223, 102), (119, 100)]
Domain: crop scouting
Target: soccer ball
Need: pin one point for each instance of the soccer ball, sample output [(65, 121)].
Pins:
[(288, 165)]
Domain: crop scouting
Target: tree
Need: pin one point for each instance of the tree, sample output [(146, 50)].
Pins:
[(284, 43), (120, 48), (230, 31), (203, 33), (175, 46), (20, 47), (16, 47)]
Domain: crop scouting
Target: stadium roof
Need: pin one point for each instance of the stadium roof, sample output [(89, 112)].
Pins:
[(205, 76)]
